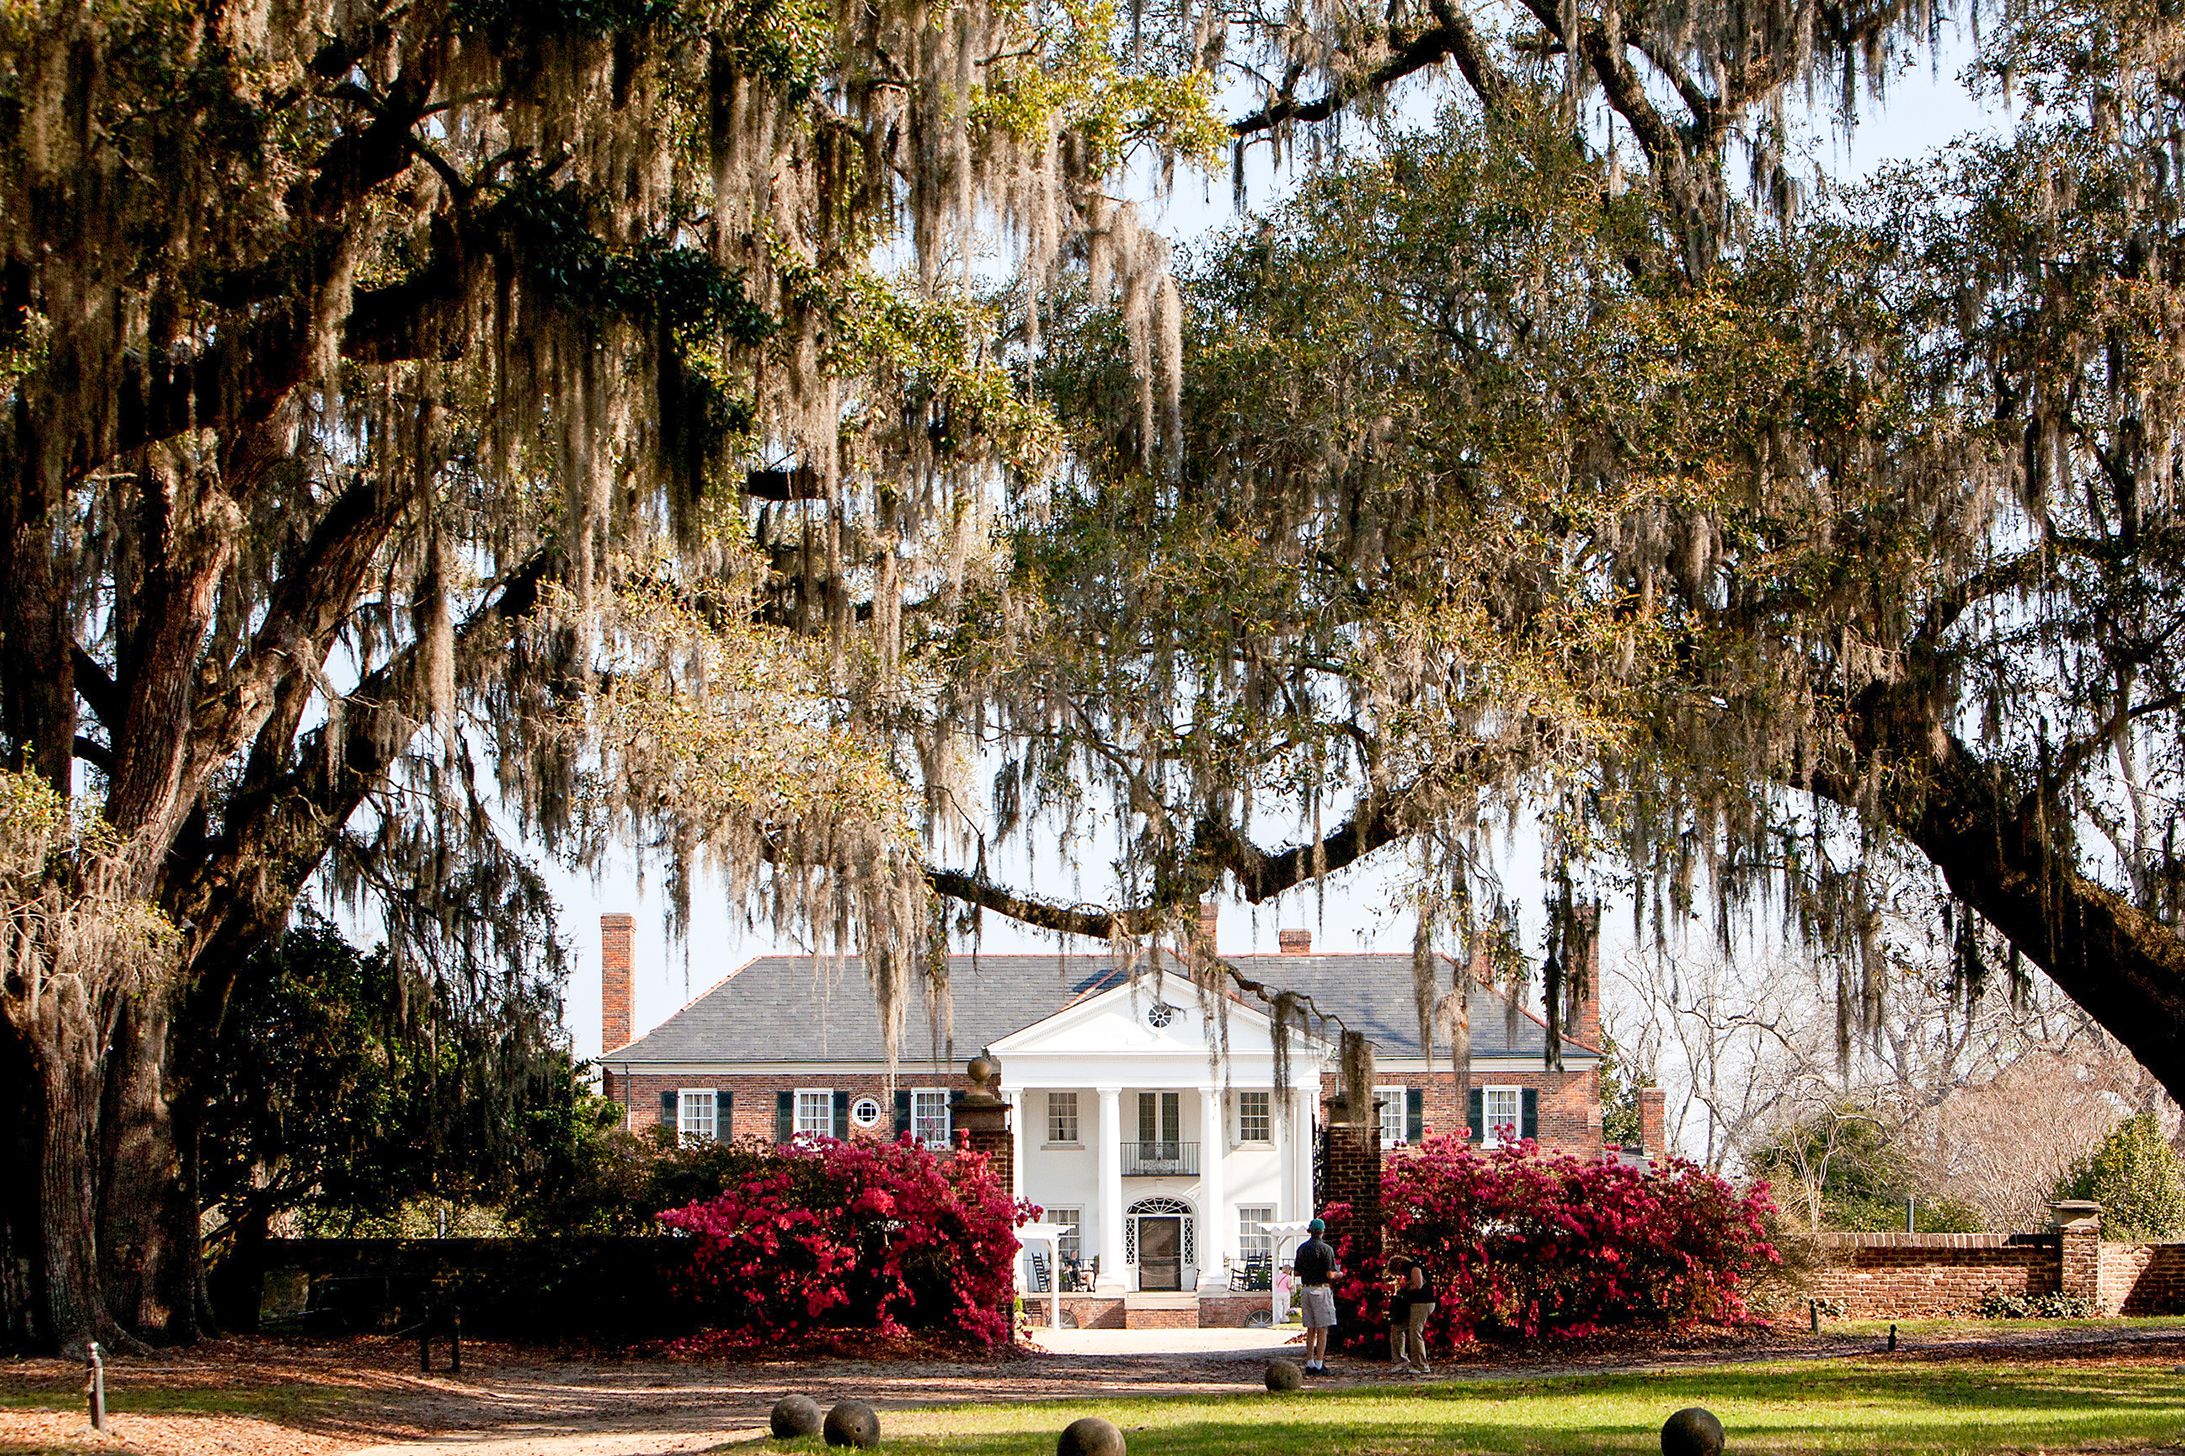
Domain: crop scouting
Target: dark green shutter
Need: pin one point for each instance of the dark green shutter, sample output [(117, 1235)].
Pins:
[(785, 1116), (1414, 1115), (902, 1114), (842, 1114), (670, 1109), (1474, 1130), (1529, 1116), (724, 1109)]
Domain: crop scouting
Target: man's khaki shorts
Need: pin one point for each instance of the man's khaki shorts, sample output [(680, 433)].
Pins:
[(1319, 1307)]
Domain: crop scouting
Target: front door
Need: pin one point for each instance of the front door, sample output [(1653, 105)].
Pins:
[(1161, 1252)]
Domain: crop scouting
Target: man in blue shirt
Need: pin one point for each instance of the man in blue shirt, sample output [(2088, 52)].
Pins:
[(1315, 1270)]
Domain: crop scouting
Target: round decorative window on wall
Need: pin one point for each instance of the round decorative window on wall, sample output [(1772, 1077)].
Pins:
[(1161, 1014), (865, 1112)]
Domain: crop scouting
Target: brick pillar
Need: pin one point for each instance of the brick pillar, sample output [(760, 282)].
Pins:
[(981, 1121), (1350, 1172), (1653, 1121), (2079, 1253), (616, 998)]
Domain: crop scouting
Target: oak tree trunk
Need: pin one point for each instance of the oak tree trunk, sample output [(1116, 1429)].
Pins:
[(68, 1034)]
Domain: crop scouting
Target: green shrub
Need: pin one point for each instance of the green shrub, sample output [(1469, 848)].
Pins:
[(2134, 1175), (1998, 1305)]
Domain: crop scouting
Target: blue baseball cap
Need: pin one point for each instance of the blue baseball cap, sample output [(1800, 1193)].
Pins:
[(1317, 1226)]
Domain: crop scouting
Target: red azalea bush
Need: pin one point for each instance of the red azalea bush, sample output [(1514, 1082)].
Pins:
[(1522, 1242), (822, 1234)]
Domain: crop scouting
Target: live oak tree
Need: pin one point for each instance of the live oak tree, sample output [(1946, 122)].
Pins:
[(1752, 545), (584, 417), (388, 384)]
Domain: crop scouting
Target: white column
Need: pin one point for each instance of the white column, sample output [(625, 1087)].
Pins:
[(1111, 1190), (1216, 1227)]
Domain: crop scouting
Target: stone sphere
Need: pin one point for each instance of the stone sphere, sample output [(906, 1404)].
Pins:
[(1284, 1375), (853, 1423), (794, 1416), (1693, 1431), (982, 1070), (1089, 1436)]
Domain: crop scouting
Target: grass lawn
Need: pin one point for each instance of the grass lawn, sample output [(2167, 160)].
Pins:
[(1905, 1408), (1973, 1329)]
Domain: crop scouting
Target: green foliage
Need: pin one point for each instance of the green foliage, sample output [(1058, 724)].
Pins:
[(352, 1089), (2134, 1174), (1620, 1086), (1853, 1170), (1998, 1305)]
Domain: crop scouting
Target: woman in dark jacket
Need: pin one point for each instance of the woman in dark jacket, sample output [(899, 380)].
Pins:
[(1410, 1303)]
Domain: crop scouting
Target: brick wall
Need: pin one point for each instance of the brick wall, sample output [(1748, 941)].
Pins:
[(1877, 1276), (2142, 1278)]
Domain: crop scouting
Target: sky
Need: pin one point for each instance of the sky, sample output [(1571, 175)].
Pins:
[(1357, 910)]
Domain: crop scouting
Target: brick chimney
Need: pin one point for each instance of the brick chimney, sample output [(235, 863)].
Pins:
[(1295, 942), (1210, 923), (1585, 1022), (1653, 1121), (616, 1000)]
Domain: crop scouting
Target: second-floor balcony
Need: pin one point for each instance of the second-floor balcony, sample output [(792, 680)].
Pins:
[(1161, 1160)]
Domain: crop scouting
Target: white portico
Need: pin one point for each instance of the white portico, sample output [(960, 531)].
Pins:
[(1154, 1124)]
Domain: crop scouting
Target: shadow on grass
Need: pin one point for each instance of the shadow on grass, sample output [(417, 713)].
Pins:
[(269, 1402), (1861, 1407)]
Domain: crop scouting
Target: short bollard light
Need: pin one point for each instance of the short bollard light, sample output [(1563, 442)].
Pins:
[(794, 1416), (94, 1384), (1693, 1431), (1090, 1436), (852, 1423)]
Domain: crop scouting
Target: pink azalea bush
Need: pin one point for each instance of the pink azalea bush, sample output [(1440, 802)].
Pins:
[(822, 1234), (1527, 1243)]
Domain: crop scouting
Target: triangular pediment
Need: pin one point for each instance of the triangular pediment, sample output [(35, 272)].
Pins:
[(1155, 1015)]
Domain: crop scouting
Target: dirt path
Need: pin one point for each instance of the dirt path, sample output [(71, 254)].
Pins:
[(366, 1397)]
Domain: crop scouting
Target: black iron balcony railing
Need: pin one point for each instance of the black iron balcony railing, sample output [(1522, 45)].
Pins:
[(1160, 1160)]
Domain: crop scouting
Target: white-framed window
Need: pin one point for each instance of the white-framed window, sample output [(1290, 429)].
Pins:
[(929, 1116), (1501, 1110), (1062, 1118), (1395, 1105), (696, 1114), (1255, 1117), (1067, 1246), (865, 1112), (1252, 1236), (815, 1111)]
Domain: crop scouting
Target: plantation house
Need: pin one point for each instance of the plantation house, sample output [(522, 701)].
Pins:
[(1156, 1125)]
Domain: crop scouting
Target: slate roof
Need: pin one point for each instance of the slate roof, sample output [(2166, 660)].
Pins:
[(793, 1009)]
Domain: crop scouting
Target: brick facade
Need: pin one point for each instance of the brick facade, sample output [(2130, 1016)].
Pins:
[(1569, 1102), (753, 1096)]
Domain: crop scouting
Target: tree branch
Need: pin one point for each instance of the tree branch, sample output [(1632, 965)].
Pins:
[(1451, 37)]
